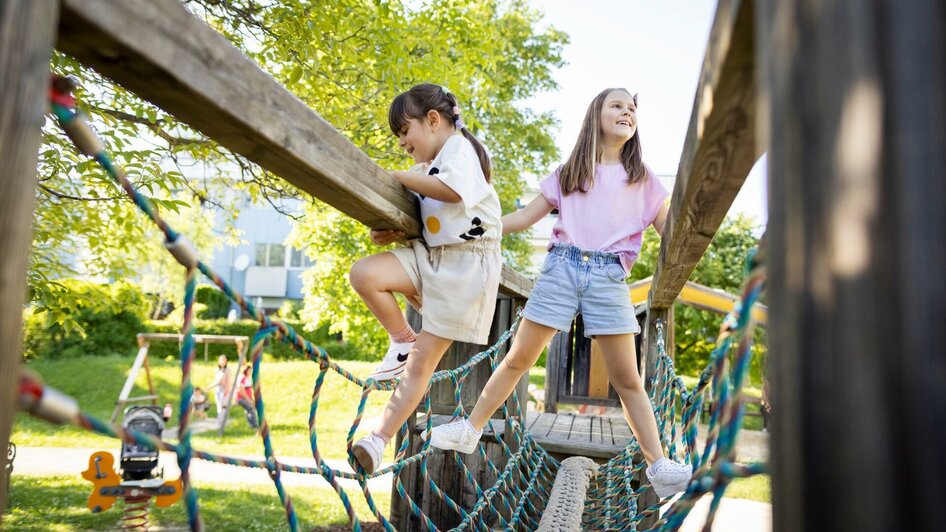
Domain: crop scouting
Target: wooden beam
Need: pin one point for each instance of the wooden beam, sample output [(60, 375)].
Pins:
[(27, 30), (158, 50), (718, 153), (857, 225)]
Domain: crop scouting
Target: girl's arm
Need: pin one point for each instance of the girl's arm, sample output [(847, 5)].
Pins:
[(661, 221), (526, 217), (427, 185)]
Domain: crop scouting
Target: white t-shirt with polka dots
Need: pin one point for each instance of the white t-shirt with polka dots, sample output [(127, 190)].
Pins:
[(478, 213)]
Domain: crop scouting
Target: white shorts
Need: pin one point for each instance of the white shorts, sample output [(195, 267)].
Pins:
[(458, 285)]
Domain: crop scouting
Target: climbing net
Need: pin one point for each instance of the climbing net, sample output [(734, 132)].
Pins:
[(525, 473), (612, 500)]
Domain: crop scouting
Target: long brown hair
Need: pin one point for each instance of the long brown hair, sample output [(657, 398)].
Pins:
[(579, 170), (416, 102)]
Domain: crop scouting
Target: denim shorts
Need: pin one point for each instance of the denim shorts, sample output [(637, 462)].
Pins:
[(591, 282)]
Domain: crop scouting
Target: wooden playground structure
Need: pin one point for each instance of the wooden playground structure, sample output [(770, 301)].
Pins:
[(846, 97)]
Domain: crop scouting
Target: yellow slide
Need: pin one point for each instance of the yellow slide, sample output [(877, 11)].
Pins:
[(699, 296)]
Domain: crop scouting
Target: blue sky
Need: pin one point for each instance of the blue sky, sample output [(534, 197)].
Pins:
[(654, 48)]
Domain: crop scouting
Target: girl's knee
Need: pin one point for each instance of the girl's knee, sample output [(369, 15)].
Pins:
[(517, 362), (630, 382), (359, 275)]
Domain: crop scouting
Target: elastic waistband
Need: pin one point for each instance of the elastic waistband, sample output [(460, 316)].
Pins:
[(480, 245), (576, 254)]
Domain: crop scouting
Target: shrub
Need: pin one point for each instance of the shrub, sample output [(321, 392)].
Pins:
[(216, 303), (278, 350), (106, 320)]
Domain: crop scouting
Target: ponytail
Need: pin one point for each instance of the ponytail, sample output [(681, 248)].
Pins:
[(422, 98)]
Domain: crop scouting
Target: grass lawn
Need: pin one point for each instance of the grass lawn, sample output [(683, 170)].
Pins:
[(286, 388), (59, 504), (754, 488)]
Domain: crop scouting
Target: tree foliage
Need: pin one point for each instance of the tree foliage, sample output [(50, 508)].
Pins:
[(346, 59), (489, 55), (722, 267)]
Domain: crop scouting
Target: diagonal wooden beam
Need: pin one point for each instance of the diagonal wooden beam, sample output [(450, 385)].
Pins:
[(158, 50), (719, 151)]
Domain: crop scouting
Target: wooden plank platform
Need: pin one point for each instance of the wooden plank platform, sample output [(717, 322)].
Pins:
[(565, 434), (597, 437)]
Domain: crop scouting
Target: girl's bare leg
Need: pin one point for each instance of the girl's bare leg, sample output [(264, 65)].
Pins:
[(376, 278), (620, 359), (427, 352), (530, 339)]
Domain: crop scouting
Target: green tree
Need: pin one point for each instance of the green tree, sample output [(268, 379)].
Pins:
[(347, 60), (721, 267), (487, 54), (85, 226)]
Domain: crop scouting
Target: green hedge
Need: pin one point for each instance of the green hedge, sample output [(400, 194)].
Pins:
[(107, 318), (217, 303), (277, 350)]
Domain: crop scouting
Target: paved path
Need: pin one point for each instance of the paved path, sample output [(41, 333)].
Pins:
[(44, 461), (734, 515)]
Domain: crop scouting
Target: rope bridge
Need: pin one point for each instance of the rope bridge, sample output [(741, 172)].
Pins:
[(515, 500)]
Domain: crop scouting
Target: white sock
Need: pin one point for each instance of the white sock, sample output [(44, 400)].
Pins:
[(381, 438), (651, 468), (471, 427)]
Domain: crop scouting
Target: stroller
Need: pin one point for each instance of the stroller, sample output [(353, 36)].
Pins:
[(138, 462)]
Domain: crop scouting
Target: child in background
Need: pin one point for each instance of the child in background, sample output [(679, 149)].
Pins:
[(200, 403), (222, 384), (245, 396)]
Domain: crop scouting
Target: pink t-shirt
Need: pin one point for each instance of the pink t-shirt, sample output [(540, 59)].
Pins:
[(611, 216)]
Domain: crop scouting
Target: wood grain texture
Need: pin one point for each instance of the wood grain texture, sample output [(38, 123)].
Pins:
[(27, 31), (856, 108), (718, 152)]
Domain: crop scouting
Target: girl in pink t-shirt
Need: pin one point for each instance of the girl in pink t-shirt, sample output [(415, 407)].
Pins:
[(606, 198)]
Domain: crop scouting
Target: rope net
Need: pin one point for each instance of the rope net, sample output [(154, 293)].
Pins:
[(523, 474)]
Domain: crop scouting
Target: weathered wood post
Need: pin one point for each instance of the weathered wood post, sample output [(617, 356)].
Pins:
[(27, 31), (855, 95)]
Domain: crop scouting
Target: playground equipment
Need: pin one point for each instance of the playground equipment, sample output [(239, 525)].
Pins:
[(141, 361), (520, 477), (140, 479), (851, 112), (575, 368)]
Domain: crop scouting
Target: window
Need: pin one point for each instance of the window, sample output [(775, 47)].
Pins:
[(270, 255), (298, 259)]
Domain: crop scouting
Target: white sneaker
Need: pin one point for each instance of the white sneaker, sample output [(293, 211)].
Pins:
[(395, 360), (457, 435), (668, 477), (368, 452)]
